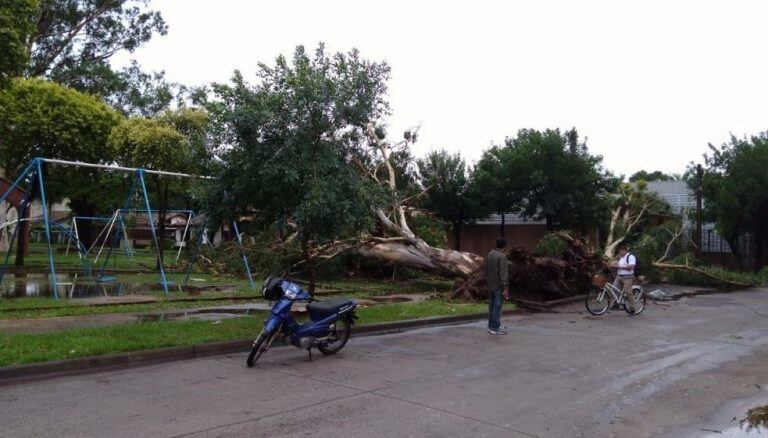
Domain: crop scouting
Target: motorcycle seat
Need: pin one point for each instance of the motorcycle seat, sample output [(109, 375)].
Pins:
[(323, 309)]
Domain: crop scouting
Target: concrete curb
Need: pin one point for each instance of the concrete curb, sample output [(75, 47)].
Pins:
[(92, 364)]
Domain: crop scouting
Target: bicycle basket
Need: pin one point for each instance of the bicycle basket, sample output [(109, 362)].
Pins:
[(599, 280)]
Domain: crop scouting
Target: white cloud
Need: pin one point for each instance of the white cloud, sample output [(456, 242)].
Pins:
[(650, 83)]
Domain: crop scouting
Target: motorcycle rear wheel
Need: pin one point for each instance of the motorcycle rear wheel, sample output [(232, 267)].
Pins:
[(343, 330)]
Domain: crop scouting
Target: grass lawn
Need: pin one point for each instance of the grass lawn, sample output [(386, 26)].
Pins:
[(43, 307), (29, 348), (79, 309), (142, 259)]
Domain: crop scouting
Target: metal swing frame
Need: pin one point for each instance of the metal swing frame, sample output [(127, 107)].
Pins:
[(33, 176)]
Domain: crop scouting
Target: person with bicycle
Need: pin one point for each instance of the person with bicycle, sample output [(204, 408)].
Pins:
[(625, 275)]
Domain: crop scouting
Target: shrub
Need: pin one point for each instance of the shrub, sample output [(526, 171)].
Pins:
[(429, 228), (550, 246)]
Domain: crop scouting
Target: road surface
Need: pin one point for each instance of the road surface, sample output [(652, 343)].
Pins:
[(682, 368)]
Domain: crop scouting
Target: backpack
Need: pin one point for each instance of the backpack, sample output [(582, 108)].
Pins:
[(637, 263)]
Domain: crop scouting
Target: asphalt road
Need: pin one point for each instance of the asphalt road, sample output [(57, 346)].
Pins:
[(683, 368)]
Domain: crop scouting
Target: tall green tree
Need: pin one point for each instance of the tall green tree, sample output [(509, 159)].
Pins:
[(74, 39), (39, 118), (171, 143), (656, 175), (735, 191), (497, 182), (135, 92), (16, 26), (447, 180), (549, 176), (294, 137)]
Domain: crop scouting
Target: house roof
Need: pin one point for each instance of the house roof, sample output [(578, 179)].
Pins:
[(677, 194)]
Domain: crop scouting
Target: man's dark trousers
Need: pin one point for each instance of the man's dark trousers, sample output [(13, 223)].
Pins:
[(495, 302)]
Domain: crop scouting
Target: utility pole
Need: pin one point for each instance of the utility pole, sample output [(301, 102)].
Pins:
[(697, 231)]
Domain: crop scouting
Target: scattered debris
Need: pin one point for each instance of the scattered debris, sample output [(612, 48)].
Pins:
[(659, 295), (756, 418)]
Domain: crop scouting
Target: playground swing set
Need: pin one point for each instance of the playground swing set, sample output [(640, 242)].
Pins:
[(33, 177), (117, 224)]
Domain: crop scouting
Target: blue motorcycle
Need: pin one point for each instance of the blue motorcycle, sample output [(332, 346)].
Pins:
[(328, 329)]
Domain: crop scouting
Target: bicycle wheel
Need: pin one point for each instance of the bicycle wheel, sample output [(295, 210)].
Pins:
[(639, 295), (597, 301)]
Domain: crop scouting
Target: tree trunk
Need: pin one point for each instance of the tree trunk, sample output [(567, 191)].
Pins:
[(442, 261), (22, 239), (405, 247), (502, 231), (81, 207), (309, 261), (457, 236), (162, 211), (759, 249), (733, 242)]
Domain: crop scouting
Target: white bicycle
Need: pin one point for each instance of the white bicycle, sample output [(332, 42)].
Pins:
[(599, 300)]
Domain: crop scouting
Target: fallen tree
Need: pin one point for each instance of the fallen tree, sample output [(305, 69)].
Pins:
[(398, 244), (541, 278)]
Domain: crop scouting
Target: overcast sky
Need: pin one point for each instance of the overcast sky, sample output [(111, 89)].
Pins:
[(650, 83)]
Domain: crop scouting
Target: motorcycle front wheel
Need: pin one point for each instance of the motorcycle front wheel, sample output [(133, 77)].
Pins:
[(338, 339), (260, 345)]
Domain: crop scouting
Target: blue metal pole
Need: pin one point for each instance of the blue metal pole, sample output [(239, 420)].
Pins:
[(80, 247), (19, 223), (47, 228), (140, 174), (245, 259), (18, 180)]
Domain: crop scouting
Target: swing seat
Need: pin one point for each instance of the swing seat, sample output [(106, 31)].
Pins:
[(106, 279)]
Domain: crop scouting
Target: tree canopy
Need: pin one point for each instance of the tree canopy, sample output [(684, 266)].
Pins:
[(39, 118), (172, 142), (74, 39), (656, 175), (735, 191), (295, 135), (549, 176), (16, 26), (448, 184)]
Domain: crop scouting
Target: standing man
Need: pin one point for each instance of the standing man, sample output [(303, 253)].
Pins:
[(625, 275), (497, 278)]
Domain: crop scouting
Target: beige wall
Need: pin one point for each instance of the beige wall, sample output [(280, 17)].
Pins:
[(480, 239)]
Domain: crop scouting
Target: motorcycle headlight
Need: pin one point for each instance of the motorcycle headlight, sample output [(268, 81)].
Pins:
[(291, 292)]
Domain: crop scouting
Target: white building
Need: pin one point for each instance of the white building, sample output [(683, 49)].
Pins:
[(682, 200)]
